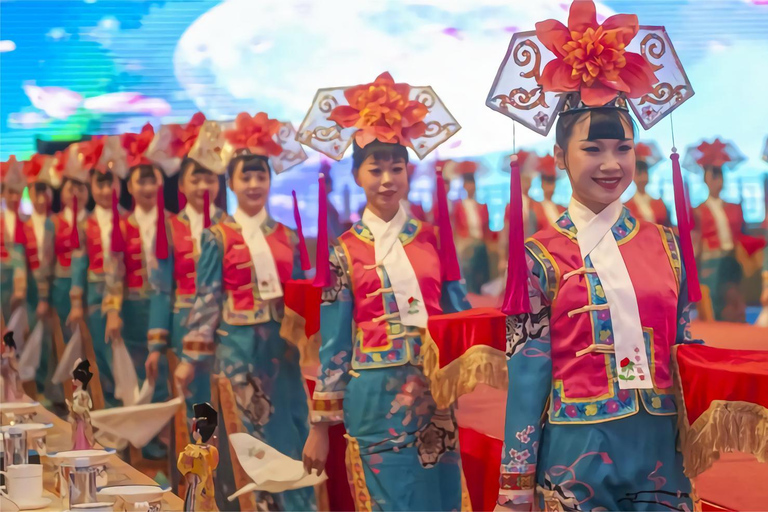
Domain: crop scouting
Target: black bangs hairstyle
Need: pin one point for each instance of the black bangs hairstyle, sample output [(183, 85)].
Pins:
[(250, 163), (641, 166), (102, 177), (381, 151), (189, 165), (604, 123), (66, 180), (41, 188), (145, 171), (716, 170), (206, 420), (82, 373)]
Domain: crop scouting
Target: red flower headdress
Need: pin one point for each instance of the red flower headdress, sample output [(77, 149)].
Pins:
[(587, 65), (383, 110), (12, 174), (546, 166), (705, 155), (613, 63), (173, 142), (80, 158), (136, 146), (648, 152), (262, 135), (41, 169)]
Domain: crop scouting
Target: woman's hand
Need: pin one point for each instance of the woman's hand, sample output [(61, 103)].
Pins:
[(75, 316), (316, 448), (114, 327), (184, 375)]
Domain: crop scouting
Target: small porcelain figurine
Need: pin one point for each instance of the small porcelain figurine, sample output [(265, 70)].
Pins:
[(9, 369), (198, 461), (80, 408)]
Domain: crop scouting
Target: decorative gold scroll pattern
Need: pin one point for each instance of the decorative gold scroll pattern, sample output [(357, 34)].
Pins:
[(653, 47)]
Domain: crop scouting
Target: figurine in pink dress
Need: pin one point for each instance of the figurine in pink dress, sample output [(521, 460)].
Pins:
[(80, 408), (9, 369)]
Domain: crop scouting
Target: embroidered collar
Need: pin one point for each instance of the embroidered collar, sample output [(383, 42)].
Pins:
[(407, 234), (624, 228)]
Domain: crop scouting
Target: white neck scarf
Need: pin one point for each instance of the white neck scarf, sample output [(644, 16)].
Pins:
[(391, 255), (596, 240), (721, 222), (68, 214), (38, 226), (196, 222), (104, 220), (147, 222), (643, 202), (267, 277), (472, 215), (10, 224)]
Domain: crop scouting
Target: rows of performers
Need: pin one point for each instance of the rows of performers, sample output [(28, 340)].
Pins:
[(181, 288), (201, 293)]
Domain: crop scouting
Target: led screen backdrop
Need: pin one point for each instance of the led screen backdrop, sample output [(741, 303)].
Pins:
[(70, 68)]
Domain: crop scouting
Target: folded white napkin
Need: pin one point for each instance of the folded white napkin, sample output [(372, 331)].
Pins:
[(72, 354), (136, 424), (29, 360), (18, 324), (126, 381), (269, 469)]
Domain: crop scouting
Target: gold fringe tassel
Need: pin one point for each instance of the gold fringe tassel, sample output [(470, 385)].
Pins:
[(478, 365)]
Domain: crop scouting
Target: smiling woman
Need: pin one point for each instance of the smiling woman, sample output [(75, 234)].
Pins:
[(596, 147)]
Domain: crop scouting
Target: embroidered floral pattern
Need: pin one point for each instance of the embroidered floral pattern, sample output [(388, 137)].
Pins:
[(252, 403), (524, 435)]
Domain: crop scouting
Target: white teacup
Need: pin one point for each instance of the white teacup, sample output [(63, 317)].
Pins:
[(23, 482)]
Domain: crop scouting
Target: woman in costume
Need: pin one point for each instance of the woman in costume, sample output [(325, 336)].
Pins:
[(720, 226), (198, 461), (473, 232), (128, 289), (641, 205), (244, 261), (75, 164), (385, 279), (38, 245), (94, 257), (598, 299), (546, 212), (13, 272), (175, 277), (80, 408)]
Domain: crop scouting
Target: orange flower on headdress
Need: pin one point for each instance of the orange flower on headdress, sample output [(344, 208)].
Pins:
[(136, 144), (592, 58), (90, 152), (33, 166), (61, 158), (381, 111), (255, 134), (643, 151), (713, 154), (546, 166)]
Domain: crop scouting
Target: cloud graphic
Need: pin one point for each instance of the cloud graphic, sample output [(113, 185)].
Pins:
[(274, 55)]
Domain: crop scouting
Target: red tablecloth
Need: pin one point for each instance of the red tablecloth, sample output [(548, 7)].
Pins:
[(301, 322), (724, 403), (462, 350)]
